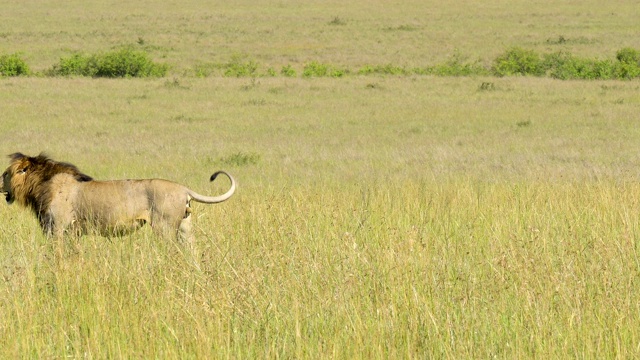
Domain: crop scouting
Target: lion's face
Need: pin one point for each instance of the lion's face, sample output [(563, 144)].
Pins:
[(6, 181), (13, 179)]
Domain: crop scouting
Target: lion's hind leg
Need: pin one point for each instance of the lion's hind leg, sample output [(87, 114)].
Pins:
[(185, 230), (179, 228), (172, 225), (185, 236)]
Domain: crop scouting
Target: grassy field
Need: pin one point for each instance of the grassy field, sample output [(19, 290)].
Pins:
[(193, 33), (376, 217)]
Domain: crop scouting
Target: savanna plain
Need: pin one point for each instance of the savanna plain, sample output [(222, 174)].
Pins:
[(377, 216)]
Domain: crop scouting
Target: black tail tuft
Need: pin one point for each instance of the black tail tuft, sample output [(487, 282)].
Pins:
[(215, 175)]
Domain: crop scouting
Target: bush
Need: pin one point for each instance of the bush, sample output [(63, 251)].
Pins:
[(76, 64), (518, 61), (13, 65), (628, 56), (239, 67), (565, 66), (125, 62), (626, 71), (128, 63), (628, 66), (288, 71), (457, 66), (316, 69)]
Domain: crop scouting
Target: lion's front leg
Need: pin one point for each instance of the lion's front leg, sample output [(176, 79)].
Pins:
[(53, 231), (55, 225), (46, 223)]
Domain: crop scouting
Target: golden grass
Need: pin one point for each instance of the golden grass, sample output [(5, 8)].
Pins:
[(413, 218), (376, 217), (414, 269)]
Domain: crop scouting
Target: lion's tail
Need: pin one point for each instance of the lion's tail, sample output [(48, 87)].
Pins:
[(214, 199)]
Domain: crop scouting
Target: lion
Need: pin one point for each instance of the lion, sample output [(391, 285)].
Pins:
[(67, 201)]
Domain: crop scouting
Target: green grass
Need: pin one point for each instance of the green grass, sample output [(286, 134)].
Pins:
[(411, 34), (376, 216)]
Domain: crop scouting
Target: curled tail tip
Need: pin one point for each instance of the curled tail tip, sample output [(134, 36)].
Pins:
[(215, 175)]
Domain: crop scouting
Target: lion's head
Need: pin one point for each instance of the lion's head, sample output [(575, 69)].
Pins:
[(26, 179)]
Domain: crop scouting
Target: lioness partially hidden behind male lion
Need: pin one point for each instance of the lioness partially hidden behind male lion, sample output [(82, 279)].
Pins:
[(68, 201)]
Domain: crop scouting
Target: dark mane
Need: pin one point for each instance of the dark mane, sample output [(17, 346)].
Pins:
[(35, 191), (46, 168)]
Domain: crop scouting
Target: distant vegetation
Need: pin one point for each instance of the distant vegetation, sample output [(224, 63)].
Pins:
[(564, 65), (126, 62), (13, 65), (516, 61)]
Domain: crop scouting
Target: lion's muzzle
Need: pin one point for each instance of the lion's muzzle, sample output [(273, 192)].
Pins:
[(8, 197)]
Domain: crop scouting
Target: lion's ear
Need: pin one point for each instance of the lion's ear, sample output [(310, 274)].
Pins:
[(22, 160), (17, 157)]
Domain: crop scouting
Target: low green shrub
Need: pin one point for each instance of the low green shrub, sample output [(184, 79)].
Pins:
[(316, 69), (239, 66), (626, 71), (565, 66), (125, 62), (628, 66), (288, 71), (628, 56), (76, 64), (458, 66), (13, 65), (518, 61)]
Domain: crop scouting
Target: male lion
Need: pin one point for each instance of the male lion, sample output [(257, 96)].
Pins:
[(66, 200)]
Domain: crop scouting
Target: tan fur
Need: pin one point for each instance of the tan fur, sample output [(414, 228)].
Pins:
[(67, 201)]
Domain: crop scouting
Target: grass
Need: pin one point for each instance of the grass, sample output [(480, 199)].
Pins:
[(362, 229), (376, 217), (279, 34)]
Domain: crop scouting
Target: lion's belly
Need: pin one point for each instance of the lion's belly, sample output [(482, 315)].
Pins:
[(113, 207)]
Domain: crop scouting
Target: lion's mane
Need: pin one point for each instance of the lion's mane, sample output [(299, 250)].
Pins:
[(35, 189)]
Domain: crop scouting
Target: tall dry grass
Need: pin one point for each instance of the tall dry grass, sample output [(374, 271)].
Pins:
[(376, 217), (411, 269), (407, 219)]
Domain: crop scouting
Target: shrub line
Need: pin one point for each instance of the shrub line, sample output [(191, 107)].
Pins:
[(516, 61)]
